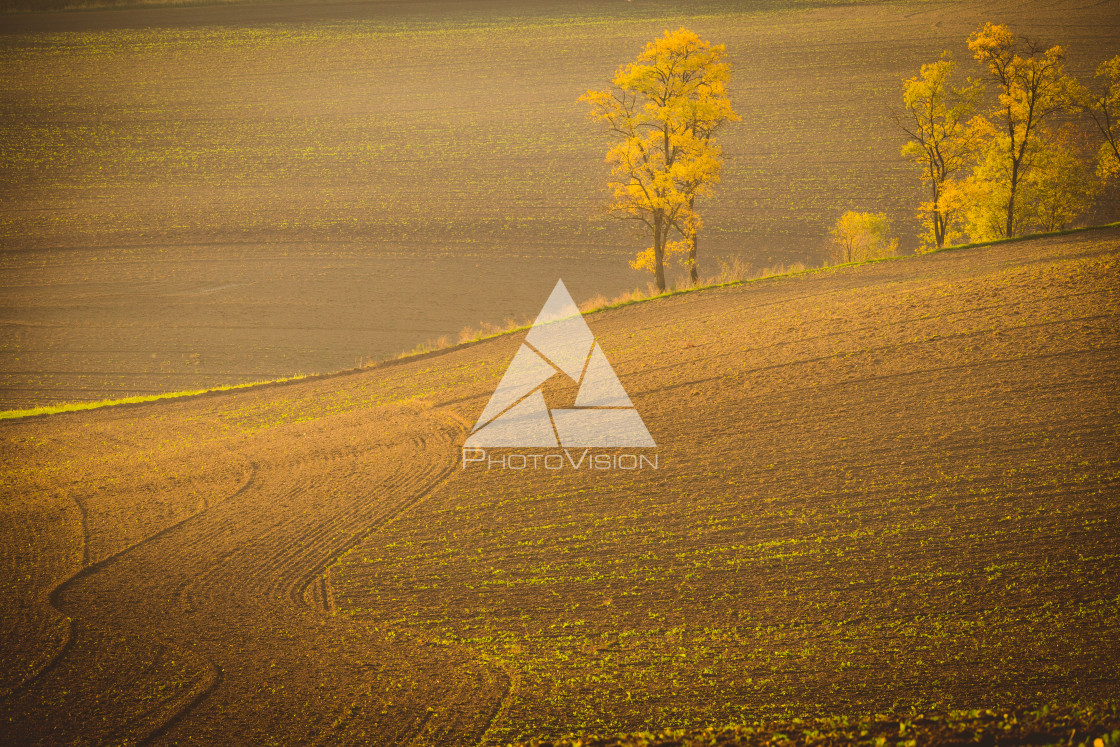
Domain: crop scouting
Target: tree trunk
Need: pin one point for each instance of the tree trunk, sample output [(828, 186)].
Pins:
[(694, 275), (938, 218), (659, 253), (1010, 228)]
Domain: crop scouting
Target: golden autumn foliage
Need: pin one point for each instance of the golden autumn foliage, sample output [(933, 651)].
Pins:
[(1031, 87), (940, 141), (1024, 163), (664, 110), (1103, 108), (858, 237)]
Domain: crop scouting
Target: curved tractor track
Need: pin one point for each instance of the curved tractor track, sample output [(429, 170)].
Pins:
[(218, 629)]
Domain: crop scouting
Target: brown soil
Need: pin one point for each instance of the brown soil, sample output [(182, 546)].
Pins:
[(880, 488), (201, 196)]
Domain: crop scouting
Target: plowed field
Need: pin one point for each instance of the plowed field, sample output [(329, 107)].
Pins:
[(879, 488)]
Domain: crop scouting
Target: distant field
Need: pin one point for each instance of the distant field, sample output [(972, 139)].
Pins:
[(195, 196), (887, 489)]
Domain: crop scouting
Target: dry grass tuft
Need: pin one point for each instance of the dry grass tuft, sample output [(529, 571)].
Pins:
[(730, 273)]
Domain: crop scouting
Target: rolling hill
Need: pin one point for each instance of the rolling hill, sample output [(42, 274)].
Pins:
[(884, 488), (199, 196)]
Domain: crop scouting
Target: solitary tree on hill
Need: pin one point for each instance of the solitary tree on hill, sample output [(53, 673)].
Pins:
[(664, 110)]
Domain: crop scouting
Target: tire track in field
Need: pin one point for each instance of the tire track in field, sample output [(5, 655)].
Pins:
[(82, 502), (462, 717), (202, 634)]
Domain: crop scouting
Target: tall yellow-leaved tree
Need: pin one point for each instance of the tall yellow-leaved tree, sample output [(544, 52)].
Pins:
[(1032, 87), (940, 141), (1103, 108), (664, 110)]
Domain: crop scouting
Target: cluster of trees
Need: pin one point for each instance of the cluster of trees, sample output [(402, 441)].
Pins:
[(1012, 152), (1009, 153), (664, 110)]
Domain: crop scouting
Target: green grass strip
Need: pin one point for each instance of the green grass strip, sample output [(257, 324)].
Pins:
[(1025, 237), (75, 406)]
